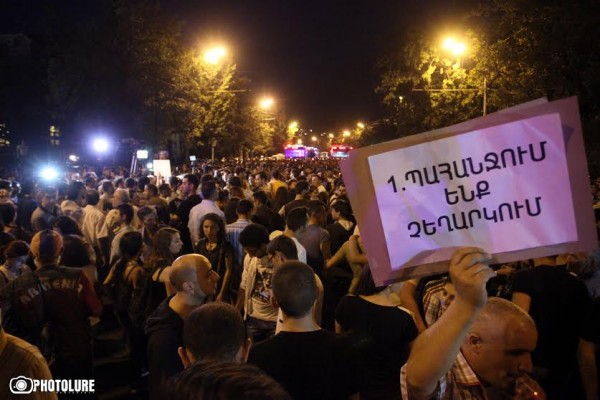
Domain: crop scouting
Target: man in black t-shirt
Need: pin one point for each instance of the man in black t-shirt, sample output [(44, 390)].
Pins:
[(310, 363), (189, 187), (560, 305)]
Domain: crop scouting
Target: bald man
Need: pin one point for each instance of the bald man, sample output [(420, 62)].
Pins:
[(478, 348), (195, 283)]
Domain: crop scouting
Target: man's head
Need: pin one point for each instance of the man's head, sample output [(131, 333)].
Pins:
[(244, 208), (209, 190), (294, 288), (46, 247), (282, 249), (120, 196), (151, 190), (48, 197), (108, 188), (254, 239), (296, 219), (148, 216), (189, 185), (499, 344), (126, 213), (260, 179), (214, 331), (260, 198), (192, 274), (225, 380), (92, 197)]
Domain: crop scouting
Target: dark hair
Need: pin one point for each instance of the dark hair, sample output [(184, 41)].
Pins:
[(107, 186), (152, 189), (67, 226), (160, 246), (260, 196), (74, 190), (343, 208), (225, 381), (130, 245), (92, 197), (218, 221), (236, 192), (143, 212), (206, 178), (366, 285), (244, 207), (127, 210), (314, 207), (208, 189), (254, 235), (214, 331), (262, 174), (8, 212), (302, 187), (285, 245), (75, 252), (296, 218), (193, 179), (164, 188), (129, 183), (142, 182), (16, 248), (276, 174), (295, 288), (235, 181), (280, 198)]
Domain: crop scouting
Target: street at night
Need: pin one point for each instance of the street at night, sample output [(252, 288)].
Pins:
[(299, 200)]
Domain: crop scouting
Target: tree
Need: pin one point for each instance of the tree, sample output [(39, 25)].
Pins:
[(523, 49)]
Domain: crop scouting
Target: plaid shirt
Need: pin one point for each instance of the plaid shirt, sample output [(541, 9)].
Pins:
[(433, 304), (459, 383)]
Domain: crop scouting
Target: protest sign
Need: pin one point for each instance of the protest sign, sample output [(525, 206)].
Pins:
[(162, 170), (514, 183)]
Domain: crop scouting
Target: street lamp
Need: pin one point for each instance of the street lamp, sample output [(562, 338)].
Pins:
[(215, 55), (454, 46), (266, 103), (346, 133), (314, 138)]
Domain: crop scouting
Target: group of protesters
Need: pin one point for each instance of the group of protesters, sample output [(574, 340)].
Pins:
[(250, 280)]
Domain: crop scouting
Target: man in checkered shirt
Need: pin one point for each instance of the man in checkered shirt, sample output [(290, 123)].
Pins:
[(478, 348)]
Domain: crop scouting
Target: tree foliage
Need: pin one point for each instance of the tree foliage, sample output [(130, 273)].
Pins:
[(128, 71), (523, 49)]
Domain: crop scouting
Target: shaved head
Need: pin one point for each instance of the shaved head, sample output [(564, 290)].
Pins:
[(184, 269), (499, 344)]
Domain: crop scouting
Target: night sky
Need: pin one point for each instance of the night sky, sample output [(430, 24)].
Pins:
[(316, 58)]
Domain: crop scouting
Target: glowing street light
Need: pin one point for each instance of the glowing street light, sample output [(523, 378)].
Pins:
[(299, 141), (215, 55), (49, 173), (360, 125), (266, 103), (330, 136), (314, 138), (73, 157), (346, 133), (454, 46), (100, 145)]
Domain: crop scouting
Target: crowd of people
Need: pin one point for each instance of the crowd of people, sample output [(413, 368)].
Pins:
[(250, 281)]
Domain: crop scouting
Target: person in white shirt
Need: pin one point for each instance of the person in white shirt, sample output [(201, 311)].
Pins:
[(210, 194), (92, 219)]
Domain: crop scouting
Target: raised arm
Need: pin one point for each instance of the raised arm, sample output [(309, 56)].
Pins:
[(435, 350)]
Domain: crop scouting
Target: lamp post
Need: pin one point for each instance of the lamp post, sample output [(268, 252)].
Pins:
[(457, 48)]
